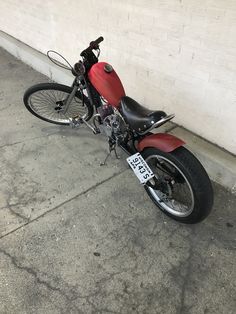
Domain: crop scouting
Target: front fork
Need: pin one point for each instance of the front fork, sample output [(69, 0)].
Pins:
[(70, 98), (78, 83), (77, 121)]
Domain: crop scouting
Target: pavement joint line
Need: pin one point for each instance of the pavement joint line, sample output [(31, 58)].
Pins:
[(27, 140), (63, 203), (31, 139)]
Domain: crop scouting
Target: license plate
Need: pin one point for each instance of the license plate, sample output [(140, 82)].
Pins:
[(140, 168)]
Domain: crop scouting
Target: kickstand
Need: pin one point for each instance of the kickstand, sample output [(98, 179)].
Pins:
[(112, 147)]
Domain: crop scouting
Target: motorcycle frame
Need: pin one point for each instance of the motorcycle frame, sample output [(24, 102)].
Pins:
[(133, 142), (81, 82)]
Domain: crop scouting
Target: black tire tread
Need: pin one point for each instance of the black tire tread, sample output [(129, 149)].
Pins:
[(198, 179)]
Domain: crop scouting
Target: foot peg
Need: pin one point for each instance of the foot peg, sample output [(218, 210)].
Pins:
[(76, 122)]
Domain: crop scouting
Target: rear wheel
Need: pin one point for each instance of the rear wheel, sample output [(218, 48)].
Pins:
[(47, 102), (181, 187)]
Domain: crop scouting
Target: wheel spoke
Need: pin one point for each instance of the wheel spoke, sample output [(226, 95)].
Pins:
[(46, 103), (174, 197)]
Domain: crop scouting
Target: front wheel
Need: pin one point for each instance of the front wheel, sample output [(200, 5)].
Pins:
[(47, 102), (181, 187)]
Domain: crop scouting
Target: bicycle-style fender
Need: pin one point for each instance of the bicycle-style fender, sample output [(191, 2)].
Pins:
[(162, 141)]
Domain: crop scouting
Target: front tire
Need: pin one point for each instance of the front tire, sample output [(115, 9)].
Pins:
[(46, 102), (173, 171)]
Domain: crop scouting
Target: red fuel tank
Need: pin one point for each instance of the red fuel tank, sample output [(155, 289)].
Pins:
[(107, 82)]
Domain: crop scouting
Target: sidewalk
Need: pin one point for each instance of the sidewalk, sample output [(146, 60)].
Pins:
[(78, 238)]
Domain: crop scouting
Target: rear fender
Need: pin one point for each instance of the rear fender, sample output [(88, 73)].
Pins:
[(162, 141)]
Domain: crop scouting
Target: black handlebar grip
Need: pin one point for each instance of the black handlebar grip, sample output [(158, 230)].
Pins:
[(94, 44), (99, 40)]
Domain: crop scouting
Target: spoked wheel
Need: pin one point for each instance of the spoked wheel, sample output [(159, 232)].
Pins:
[(181, 187), (47, 102)]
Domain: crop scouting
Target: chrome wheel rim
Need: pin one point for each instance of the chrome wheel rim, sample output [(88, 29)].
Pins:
[(166, 202), (49, 104)]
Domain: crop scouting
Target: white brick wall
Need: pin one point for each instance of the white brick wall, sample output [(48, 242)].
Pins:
[(177, 55)]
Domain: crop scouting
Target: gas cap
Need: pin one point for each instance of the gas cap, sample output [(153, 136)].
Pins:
[(108, 68)]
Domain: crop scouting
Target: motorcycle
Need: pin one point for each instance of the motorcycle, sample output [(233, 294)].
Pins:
[(172, 176)]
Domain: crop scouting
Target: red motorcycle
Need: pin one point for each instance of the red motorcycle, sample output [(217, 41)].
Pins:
[(173, 178)]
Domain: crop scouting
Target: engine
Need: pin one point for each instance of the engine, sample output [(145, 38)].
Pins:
[(113, 124)]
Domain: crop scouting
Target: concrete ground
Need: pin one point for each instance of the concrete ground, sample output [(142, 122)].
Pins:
[(80, 238)]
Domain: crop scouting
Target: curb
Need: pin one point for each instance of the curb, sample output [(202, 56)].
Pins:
[(219, 164)]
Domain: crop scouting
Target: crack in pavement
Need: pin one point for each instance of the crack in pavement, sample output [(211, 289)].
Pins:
[(28, 140), (69, 296), (70, 293), (63, 203), (188, 268), (29, 271), (16, 214)]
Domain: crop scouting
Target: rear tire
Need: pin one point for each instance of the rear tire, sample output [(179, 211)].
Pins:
[(196, 178), (46, 100)]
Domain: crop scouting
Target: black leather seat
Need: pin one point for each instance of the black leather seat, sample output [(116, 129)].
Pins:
[(138, 117)]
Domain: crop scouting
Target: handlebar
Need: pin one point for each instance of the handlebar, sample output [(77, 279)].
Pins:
[(89, 58), (93, 45)]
